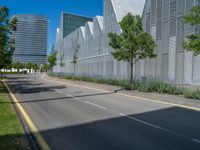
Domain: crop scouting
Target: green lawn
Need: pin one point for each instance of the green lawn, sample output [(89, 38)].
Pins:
[(11, 132)]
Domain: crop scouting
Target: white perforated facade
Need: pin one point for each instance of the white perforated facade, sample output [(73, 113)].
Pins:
[(161, 18), (94, 52)]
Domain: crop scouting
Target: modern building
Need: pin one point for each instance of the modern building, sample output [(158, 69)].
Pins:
[(161, 18), (31, 39), (68, 23), (94, 54)]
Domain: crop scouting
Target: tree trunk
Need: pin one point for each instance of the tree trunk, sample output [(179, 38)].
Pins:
[(131, 78), (74, 71), (61, 71)]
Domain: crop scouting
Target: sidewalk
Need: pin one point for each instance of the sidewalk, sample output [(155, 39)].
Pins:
[(179, 100)]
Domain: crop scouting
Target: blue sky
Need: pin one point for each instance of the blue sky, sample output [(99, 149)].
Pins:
[(52, 9)]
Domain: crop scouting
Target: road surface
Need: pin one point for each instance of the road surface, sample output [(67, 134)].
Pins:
[(71, 117)]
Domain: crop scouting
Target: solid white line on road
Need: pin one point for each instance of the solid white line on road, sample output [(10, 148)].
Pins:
[(195, 140), (58, 91), (69, 95), (104, 108), (141, 121), (72, 96)]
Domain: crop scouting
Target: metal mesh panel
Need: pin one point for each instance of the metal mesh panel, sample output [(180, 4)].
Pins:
[(188, 67), (153, 32), (148, 23), (159, 29), (158, 66), (179, 67), (165, 10), (172, 59), (153, 68), (159, 46), (196, 69), (189, 4), (153, 12), (181, 7), (165, 45), (137, 70), (159, 9), (180, 34), (147, 67), (172, 31), (165, 33), (164, 67), (148, 6)]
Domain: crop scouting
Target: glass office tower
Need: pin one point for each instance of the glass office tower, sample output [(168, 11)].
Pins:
[(31, 39), (70, 22)]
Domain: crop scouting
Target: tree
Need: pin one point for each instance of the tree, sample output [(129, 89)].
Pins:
[(29, 66), (52, 58), (75, 47), (7, 43), (192, 42), (62, 63), (132, 44), (17, 65), (45, 67), (35, 67)]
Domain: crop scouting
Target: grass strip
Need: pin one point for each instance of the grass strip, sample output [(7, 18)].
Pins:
[(142, 86), (11, 132)]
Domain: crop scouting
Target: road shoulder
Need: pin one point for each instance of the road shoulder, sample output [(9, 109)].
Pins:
[(180, 101)]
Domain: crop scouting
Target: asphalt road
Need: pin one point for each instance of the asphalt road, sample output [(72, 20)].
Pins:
[(71, 117)]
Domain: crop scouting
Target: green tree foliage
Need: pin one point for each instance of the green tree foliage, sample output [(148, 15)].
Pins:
[(29, 66), (35, 67), (76, 47), (192, 42), (133, 43), (45, 67), (7, 26), (18, 66), (52, 58)]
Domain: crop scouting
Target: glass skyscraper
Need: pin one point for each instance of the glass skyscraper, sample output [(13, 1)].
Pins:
[(70, 22), (31, 39)]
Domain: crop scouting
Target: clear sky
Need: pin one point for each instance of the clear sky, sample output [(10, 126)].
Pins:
[(52, 9)]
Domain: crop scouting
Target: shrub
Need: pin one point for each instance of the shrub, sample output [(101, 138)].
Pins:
[(192, 94), (147, 86)]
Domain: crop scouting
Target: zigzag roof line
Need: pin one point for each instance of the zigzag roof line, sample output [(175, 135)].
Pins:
[(89, 28), (123, 7), (100, 20), (82, 31)]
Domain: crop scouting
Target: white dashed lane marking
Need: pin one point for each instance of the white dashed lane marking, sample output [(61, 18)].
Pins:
[(140, 121), (195, 140), (99, 106), (59, 91)]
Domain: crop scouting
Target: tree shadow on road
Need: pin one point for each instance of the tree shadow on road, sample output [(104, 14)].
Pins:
[(132, 132)]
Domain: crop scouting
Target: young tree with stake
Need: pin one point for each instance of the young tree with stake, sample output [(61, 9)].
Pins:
[(75, 47), (133, 44), (52, 58)]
